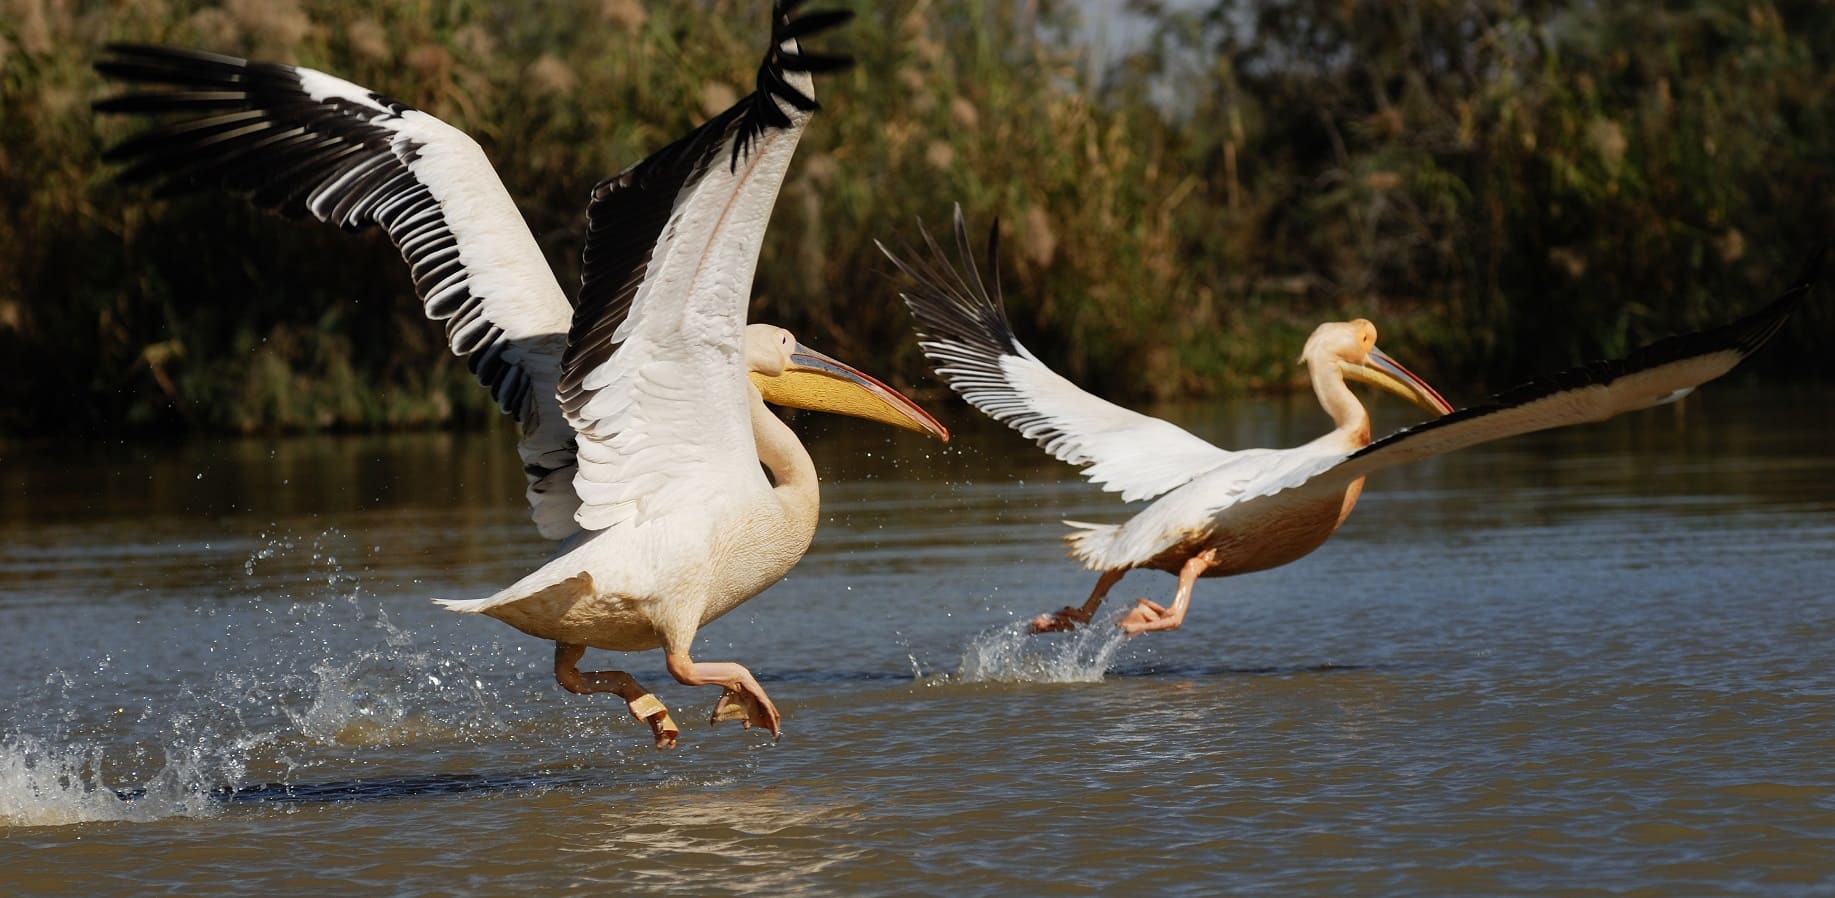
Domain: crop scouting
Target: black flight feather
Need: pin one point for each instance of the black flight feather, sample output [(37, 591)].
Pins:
[(628, 211), (251, 128)]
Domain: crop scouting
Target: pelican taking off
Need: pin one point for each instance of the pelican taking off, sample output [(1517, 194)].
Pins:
[(646, 442), (1223, 512)]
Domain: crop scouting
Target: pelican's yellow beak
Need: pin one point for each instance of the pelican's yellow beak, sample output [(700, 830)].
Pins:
[(816, 382), (1379, 370)]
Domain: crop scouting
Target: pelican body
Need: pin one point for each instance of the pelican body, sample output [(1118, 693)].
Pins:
[(646, 440), (1217, 513), (749, 532)]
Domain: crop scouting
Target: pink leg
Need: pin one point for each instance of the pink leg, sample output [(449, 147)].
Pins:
[(644, 705), (743, 699), (1067, 618), (1151, 616)]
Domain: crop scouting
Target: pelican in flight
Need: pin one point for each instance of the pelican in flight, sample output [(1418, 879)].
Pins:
[(1221, 512), (646, 441)]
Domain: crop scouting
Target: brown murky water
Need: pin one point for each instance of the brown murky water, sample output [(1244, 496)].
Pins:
[(1591, 661)]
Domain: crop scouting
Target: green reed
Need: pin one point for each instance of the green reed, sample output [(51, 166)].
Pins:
[(1503, 187)]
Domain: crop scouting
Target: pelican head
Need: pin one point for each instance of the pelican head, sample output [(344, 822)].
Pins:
[(789, 374), (1351, 347)]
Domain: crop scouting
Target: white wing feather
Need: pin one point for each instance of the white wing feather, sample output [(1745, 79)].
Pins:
[(1122, 451), (661, 402), (963, 329)]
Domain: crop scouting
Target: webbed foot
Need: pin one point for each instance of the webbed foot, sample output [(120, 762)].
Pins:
[(1066, 618), (751, 710), (1148, 615)]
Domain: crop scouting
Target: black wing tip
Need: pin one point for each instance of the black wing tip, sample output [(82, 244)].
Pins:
[(1753, 331), (784, 28), (948, 298), (173, 76), (1743, 336), (121, 53), (761, 110)]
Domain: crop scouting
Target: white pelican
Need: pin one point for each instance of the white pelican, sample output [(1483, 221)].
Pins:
[(645, 438), (1226, 512)]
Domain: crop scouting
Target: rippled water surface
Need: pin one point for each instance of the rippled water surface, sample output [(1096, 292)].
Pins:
[(1597, 660)]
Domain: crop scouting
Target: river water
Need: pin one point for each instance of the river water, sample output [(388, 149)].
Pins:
[(1589, 661)]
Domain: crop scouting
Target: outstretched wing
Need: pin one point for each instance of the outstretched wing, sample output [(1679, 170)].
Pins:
[(963, 329), (1661, 372), (654, 377), (301, 142)]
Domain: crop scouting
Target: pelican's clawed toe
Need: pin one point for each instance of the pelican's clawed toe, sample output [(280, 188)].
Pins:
[(1065, 618), (750, 709)]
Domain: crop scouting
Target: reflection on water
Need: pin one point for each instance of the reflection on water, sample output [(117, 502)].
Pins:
[(1593, 659), (750, 841)]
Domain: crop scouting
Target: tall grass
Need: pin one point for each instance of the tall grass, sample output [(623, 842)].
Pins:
[(1527, 185), (1503, 187)]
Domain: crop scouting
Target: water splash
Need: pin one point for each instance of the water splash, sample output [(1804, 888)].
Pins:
[(325, 666), (48, 785), (375, 699), (1012, 653), (67, 776)]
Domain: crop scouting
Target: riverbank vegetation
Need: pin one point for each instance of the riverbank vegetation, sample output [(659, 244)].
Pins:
[(1504, 187)]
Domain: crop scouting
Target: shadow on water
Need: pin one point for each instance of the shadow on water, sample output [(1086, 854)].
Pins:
[(392, 788)]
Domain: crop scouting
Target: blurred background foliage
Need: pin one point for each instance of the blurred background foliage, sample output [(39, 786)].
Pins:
[(1504, 187)]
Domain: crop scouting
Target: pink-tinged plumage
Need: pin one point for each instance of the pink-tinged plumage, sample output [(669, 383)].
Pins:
[(1218, 512)]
